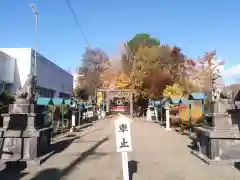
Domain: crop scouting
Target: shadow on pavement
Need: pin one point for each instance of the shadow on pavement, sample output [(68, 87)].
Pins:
[(132, 168), (48, 174), (59, 146), (237, 165), (13, 171), (193, 145), (183, 132), (83, 127), (57, 174)]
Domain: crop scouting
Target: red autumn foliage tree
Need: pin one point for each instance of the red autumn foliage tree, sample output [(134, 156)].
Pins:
[(151, 66), (207, 71), (155, 83)]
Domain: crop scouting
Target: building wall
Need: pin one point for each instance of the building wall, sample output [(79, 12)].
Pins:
[(6, 73), (50, 77), (53, 77), (22, 56), (9, 72)]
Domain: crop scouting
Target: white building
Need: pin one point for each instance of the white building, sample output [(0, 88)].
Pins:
[(17, 63)]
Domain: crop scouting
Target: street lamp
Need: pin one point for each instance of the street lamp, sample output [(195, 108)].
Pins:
[(34, 9)]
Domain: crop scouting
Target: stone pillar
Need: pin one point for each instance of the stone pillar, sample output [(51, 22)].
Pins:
[(131, 103), (156, 114), (73, 123), (161, 115), (148, 114), (107, 102), (167, 119), (79, 116)]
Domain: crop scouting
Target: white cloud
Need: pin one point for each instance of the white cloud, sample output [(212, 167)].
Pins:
[(232, 71), (232, 74), (229, 75)]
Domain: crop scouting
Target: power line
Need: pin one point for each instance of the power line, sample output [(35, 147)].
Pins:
[(78, 23), (81, 30)]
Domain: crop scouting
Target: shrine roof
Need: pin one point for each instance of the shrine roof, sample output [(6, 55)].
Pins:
[(69, 101), (158, 102), (174, 100), (44, 101), (185, 101), (237, 96), (58, 101), (55, 101), (83, 103), (197, 96), (116, 90)]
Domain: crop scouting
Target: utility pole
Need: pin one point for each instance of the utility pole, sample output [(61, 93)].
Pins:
[(33, 73), (34, 9)]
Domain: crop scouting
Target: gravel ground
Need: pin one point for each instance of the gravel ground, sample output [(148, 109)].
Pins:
[(157, 155)]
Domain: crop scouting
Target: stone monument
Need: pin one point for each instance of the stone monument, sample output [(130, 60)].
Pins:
[(218, 139), (25, 135), (75, 115), (152, 114)]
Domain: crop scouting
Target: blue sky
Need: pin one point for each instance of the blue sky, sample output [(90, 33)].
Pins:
[(195, 26)]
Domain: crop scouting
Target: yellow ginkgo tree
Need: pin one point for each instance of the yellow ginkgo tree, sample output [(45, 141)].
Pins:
[(122, 81), (172, 91)]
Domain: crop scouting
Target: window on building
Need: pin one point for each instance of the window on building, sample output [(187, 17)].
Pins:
[(2, 87), (64, 95), (42, 92), (63, 86), (7, 87)]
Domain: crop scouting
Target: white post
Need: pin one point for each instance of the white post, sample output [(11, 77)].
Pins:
[(73, 124), (148, 114), (167, 120), (156, 114), (161, 115), (79, 116), (125, 166), (123, 141)]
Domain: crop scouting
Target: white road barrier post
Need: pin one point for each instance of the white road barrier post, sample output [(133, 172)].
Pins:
[(123, 141)]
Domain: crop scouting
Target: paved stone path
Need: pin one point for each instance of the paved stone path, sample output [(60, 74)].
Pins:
[(157, 155)]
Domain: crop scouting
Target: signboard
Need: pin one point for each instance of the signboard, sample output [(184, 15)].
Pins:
[(123, 134), (112, 86), (123, 141), (99, 98), (124, 93), (89, 112), (152, 114)]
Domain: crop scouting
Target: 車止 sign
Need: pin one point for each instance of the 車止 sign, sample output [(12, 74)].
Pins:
[(123, 134)]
